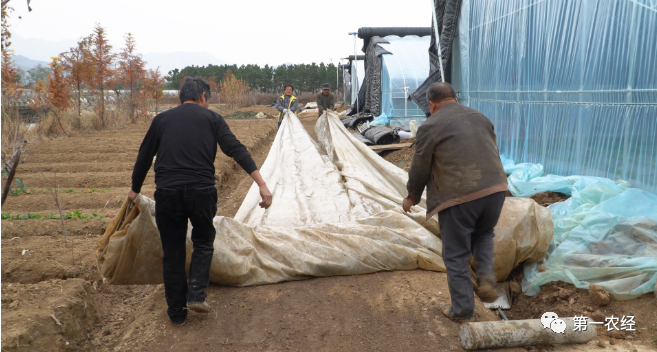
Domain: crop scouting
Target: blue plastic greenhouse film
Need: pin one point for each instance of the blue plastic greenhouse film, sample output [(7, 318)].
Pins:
[(612, 244), (568, 84), (605, 233)]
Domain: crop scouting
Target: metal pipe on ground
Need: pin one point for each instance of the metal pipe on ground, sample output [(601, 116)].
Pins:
[(516, 333)]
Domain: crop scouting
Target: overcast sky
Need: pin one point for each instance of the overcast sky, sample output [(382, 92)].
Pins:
[(240, 32)]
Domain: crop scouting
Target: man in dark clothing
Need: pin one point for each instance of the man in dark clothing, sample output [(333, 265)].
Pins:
[(457, 160), (287, 102), (185, 140), (325, 99)]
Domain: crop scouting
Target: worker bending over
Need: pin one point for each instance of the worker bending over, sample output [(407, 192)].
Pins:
[(185, 140), (457, 160), (287, 102), (325, 99)]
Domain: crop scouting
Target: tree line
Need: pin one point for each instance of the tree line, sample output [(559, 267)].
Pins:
[(90, 68), (266, 79)]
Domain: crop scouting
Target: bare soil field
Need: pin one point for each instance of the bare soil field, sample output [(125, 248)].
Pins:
[(53, 298)]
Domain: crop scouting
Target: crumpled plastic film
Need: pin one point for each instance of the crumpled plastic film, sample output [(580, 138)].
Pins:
[(605, 233), (522, 238), (612, 243)]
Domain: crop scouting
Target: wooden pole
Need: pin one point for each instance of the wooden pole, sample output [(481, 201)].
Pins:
[(12, 172)]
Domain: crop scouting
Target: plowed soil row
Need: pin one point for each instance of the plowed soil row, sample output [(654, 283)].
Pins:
[(44, 275)]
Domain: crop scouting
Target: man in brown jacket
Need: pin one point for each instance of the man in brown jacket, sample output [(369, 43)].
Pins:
[(457, 160)]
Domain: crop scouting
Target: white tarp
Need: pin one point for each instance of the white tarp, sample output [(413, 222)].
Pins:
[(336, 210)]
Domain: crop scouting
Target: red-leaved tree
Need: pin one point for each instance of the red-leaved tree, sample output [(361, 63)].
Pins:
[(101, 69), (59, 89), (11, 89), (77, 62), (155, 86), (132, 74)]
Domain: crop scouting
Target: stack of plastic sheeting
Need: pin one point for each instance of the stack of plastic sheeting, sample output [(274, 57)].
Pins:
[(605, 233), (336, 211), (354, 122), (381, 135)]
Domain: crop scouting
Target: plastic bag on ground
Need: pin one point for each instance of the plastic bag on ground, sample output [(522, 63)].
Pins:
[(381, 120)]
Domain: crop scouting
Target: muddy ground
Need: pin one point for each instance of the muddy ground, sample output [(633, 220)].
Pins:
[(53, 298)]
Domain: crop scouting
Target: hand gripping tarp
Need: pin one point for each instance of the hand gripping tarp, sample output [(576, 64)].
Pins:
[(336, 211)]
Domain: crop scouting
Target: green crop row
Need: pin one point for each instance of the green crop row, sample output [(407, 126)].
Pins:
[(76, 214)]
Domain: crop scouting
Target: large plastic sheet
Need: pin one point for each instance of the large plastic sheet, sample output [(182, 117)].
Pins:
[(605, 233), (523, 231), (315, 227), (336, 211)]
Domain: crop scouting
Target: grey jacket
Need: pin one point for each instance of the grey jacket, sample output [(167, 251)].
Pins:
[(456, 158), (287, 102), (325, 102)]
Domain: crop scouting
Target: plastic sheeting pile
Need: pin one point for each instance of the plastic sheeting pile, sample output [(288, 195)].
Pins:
[(360, 137), (606, 233), (354, 122), (381, 135), (336, 211)]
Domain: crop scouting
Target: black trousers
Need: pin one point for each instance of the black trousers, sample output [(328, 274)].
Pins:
[(173, 207), (468, 229)]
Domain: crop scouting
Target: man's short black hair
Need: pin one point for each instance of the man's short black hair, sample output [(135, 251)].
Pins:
[(288, 85), (438, 92), (193, 88)]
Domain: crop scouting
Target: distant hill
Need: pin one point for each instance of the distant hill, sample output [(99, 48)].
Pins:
[(180, 60), (39, 49), (25, 63)]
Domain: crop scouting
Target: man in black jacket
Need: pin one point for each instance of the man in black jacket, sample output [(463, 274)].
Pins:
[(185, 140)]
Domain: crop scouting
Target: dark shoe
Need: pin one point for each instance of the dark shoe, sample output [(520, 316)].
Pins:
[(487, 293), (179, 322), (198, 307), (447, 307)]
